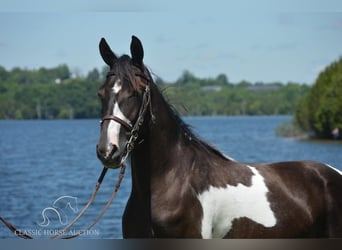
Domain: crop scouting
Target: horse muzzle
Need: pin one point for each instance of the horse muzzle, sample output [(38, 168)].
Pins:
[(111, 156)]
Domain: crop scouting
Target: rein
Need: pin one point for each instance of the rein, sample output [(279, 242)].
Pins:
[(92, 198), (97, 187)]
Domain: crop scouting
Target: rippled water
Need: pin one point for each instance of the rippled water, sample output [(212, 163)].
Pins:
[(41, 161)]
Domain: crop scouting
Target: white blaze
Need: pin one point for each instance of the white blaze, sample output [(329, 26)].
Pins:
[(113, 131), (117, 86)]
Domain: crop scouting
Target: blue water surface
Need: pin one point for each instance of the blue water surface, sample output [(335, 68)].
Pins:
[(41, 161)]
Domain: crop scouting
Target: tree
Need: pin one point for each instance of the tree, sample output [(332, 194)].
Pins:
[(93, 75), (3, 74), (186, 77), (222, 79), (33, 94), (321, 111), (62, 72)]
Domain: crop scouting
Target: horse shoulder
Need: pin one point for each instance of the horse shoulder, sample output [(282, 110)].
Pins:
[(175, 208), (136, 220)]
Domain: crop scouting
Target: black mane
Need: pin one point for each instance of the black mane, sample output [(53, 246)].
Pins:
[(186, 129)]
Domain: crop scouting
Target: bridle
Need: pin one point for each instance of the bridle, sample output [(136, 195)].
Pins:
[(133, 130), (118, 120)]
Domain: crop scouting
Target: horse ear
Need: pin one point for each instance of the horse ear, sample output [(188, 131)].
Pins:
[(107, 54), (137, 51)]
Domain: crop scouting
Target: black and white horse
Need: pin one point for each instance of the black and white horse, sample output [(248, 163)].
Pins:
[(184, 188)]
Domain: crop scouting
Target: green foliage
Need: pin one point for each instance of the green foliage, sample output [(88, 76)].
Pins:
[(321, 110), (47, 94), (194, 96), (54, 94)]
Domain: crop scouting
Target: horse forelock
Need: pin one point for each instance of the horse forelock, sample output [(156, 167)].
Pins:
[(125, 69)]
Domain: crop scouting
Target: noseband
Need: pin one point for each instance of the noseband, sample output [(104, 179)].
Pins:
[(118, 120)]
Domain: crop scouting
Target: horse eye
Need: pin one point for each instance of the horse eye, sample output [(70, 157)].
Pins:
[(133, 95)]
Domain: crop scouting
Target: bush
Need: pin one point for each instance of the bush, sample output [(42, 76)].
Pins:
[(320, 111)]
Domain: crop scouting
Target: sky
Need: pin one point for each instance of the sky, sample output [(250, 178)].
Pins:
[(256, 41)]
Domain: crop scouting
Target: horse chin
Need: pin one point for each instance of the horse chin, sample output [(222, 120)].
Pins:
[(112, 163), (112, 166)]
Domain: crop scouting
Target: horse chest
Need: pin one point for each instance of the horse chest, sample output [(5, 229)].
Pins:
[(220, 206)]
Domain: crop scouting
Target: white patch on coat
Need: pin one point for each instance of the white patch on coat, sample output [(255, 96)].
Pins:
[(222, 205), (337, 170)]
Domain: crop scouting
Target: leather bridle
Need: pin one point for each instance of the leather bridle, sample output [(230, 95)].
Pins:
[(134, 130), (118, 120)]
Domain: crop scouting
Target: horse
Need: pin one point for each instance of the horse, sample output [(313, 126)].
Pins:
[(183, 187)]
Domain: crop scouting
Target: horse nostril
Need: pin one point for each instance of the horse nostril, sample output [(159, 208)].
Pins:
[(101, 151), (113, 149)]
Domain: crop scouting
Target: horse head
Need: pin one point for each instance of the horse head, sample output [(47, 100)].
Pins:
[(122, 98)]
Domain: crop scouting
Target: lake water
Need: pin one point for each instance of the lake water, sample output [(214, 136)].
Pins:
[(45, 161)]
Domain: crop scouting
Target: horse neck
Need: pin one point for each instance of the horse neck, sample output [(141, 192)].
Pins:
[(166, 132), (161, 136)]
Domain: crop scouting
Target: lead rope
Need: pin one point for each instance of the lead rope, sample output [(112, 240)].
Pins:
[(128, 148), (97, 187), (26, 236), (112, 197)]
